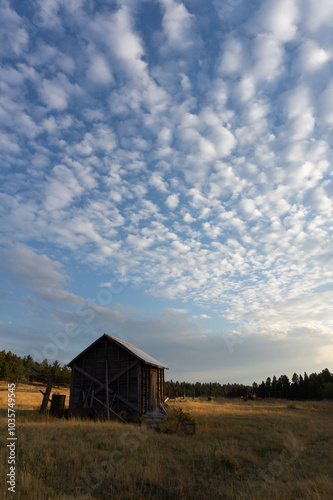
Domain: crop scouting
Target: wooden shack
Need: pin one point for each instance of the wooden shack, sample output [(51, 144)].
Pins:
[(115, 377)]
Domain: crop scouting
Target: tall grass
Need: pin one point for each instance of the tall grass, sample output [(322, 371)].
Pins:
[(241, 450)]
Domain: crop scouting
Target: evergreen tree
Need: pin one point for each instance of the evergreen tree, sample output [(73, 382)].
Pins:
[(294, 389)]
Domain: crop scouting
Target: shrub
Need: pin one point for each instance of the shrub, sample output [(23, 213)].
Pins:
[(174, 422)]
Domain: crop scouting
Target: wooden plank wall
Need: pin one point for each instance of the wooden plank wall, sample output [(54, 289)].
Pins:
[(93, 362), (146, 388), (133, 385)]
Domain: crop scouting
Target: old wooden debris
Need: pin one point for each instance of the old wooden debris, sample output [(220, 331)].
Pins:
[(46, 397)]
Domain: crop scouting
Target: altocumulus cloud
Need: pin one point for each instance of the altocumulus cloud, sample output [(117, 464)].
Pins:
[(178, 158)]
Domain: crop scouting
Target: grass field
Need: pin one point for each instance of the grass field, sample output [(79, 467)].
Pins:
[(269, 449)]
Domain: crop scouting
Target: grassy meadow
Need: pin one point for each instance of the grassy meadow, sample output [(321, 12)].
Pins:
[(264, 449)]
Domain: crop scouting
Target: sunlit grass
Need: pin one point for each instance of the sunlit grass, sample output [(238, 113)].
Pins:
[(241, 450), (28, 396)]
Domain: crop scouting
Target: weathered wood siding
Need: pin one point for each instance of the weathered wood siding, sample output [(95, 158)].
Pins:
[(150, 397), (93, 363)]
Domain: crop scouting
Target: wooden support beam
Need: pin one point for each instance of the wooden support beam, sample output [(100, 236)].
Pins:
[(44, 394), (124, 370), (146, 388), (163, 386), (102, 386), (98, 382), (71, 393), (86, 396), (121, 418), (46, 397), (139, 390), (107, 391), (125, 401)]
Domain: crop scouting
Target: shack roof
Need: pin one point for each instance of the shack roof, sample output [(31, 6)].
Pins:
[(149, 360)]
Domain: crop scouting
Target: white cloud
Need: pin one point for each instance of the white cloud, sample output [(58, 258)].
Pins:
[(223, 140), (312, 56), (177, 23), (246, 87), (62, 189), (47, 10), (182, 248), (195, 168), (326, 101), (116, 31), (53, 96), (157, 181), (188, 218), (268, 56), (324, 354), (280, 18), (232, 57), (14, 33), (51, 124), (249, 207), (165, 136), (99, 70), (55, 93), (8, 143), (316, 18), (172, 201), (301, 112), (38, 274), (140, 242), (102, 138), (321, 201)]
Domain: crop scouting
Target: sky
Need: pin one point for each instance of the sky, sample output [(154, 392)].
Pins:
[(166, 178)]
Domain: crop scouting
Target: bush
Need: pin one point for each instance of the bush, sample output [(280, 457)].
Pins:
[(174, 422)]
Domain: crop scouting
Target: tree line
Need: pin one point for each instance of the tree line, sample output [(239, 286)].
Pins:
[(314, 386), (213, 389), (17, 369)]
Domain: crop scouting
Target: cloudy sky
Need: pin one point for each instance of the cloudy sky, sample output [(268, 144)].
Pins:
[(166, 177)]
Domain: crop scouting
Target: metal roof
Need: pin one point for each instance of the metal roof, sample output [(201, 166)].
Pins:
[(138, 353), (129, 347)]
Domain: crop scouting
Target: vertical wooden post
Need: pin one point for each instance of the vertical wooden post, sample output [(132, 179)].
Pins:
[(127, 385), (139, 393), (163, 395), (71, 393), (107, 391), (46, 397), (159, 385), (146, 389)]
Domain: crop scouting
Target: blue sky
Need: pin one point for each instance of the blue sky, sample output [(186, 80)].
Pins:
[(166, 177)]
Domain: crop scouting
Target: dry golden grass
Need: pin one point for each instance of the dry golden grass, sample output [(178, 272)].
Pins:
[(28, 396), (250, 450)]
